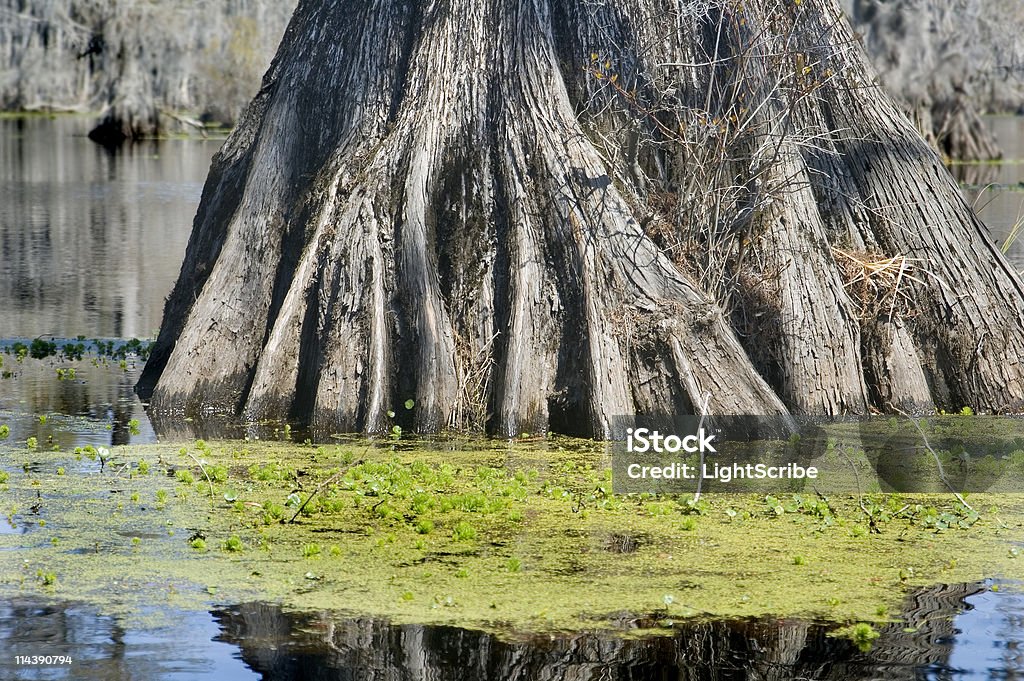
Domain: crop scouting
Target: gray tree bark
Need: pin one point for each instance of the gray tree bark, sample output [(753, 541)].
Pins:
[(539, 214)]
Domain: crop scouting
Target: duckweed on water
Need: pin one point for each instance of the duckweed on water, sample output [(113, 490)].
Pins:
[(527, 534)]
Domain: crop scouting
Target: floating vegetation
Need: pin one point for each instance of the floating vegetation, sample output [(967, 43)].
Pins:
[(77, 349), (525, 534)]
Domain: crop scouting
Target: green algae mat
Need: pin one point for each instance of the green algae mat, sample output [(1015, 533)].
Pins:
[(522, 537)]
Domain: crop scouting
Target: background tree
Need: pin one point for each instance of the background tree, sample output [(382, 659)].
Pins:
[(141, 63), (534, 214), (947, 62)]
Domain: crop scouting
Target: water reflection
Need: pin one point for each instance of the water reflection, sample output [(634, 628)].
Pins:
[(945, 632), (93, 405), (929, 642), (1001, 205), (91, 241), (106, 649)]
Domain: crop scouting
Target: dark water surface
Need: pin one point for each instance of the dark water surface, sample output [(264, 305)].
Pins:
[(90, 245), (947, 632)]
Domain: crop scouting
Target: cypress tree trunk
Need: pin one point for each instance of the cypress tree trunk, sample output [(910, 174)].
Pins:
[(534, 214)]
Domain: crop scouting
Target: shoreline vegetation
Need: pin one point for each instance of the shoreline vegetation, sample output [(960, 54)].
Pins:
[(491, 535)]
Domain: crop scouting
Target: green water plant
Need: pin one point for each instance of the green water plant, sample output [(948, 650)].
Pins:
[(862, 635), (463, 531)]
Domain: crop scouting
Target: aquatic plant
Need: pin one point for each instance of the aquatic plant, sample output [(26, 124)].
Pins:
[(272, 512), (20, 351), (73, 352), (233, 544), (41, 349), (862, 635), (270, 471), (463, 531)]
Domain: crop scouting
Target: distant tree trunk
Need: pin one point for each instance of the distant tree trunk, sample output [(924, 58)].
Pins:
[(140, 63), (947, 62), (534, 214)]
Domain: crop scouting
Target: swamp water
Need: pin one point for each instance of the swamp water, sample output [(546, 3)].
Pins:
[(958, 636), (90, 243)]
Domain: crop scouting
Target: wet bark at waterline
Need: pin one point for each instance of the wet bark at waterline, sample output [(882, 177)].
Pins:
[(530, 215)]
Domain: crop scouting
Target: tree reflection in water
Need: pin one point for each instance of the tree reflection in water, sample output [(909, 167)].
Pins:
[(958, 631), (303, 646)]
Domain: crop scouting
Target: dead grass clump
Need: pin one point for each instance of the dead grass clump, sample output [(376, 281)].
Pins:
[(879, 285)]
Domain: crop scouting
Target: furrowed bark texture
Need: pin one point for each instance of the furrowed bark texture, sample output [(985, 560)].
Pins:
[(451, 203)]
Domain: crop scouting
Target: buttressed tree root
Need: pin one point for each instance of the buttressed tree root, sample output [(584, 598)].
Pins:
[(540, 214)]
